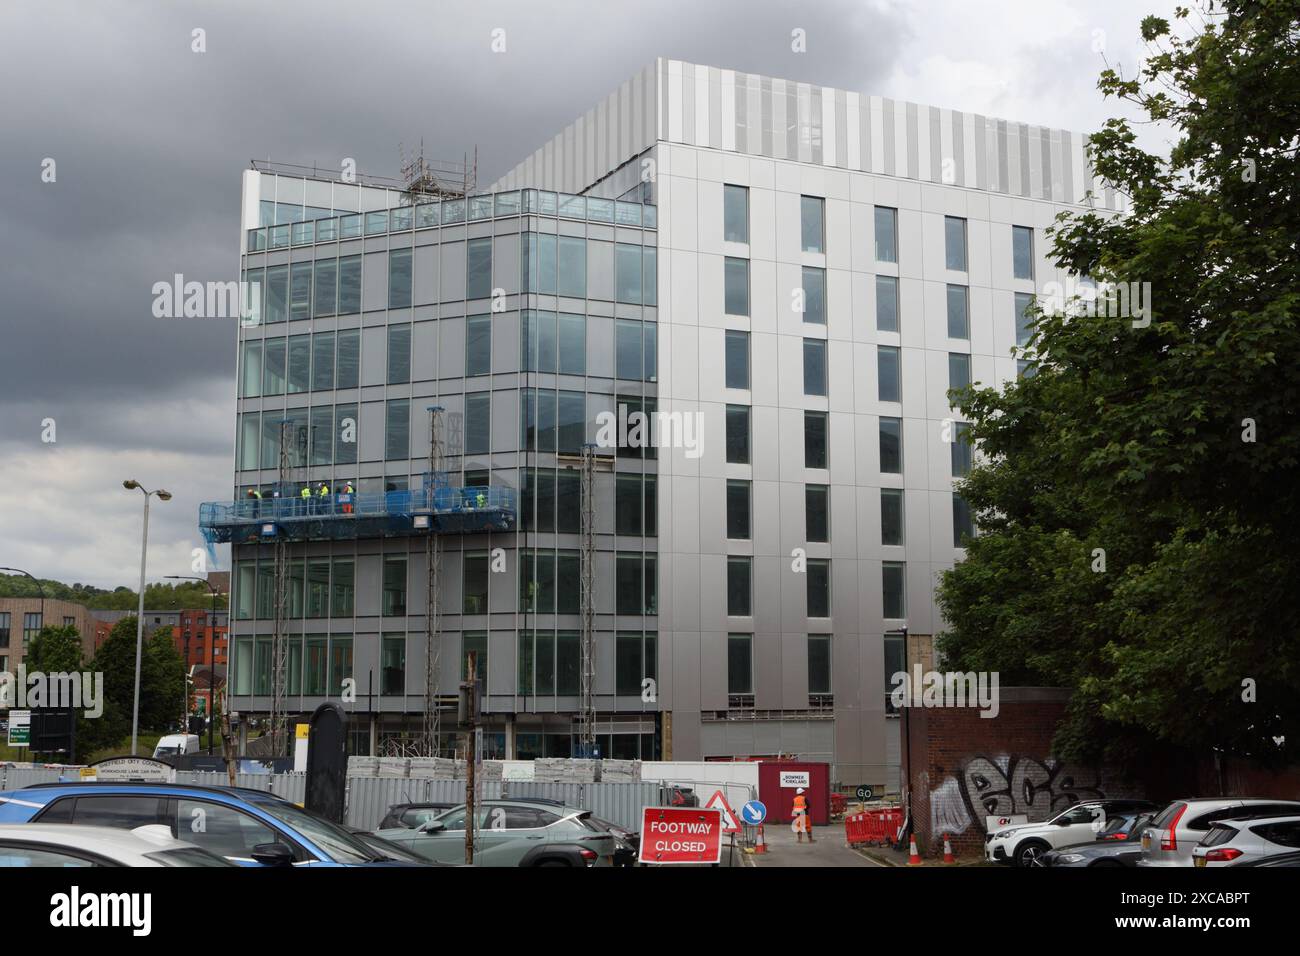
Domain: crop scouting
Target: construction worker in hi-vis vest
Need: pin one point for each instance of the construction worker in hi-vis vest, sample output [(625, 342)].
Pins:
[(802, 819)]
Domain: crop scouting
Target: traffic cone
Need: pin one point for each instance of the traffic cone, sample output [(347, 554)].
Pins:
[(759, 845), (947, 850), (914, 858)]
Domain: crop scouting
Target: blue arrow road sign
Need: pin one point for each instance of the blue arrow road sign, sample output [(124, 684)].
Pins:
[(753, 813)]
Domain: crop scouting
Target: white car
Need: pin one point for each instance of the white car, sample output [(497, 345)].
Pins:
[(1169, 839), (1241, 840), (70, 845), (1022, 844)]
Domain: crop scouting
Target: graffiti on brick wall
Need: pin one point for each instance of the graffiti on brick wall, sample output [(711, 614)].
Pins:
[(1006, 785)]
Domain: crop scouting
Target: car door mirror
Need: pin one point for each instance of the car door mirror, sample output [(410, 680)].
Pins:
[(272, 854), (432, 826)]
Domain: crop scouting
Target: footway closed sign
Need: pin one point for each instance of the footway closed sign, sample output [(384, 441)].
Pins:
[(681, 835)]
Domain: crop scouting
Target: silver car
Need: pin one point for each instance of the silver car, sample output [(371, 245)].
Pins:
[(1241, 841), (1171, 836), (71, 845)]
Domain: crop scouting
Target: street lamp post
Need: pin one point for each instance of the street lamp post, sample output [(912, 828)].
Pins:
[(212, 652), (132, 485)]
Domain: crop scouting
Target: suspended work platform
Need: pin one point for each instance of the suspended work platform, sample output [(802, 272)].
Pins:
[(435, 508)]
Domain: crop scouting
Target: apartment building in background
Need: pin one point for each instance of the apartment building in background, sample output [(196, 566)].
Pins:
[(788, 278)]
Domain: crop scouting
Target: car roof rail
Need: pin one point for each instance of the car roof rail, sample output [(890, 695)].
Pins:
[(200, 787)]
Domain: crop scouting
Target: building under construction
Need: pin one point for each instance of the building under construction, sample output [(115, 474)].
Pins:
[(792, 276)]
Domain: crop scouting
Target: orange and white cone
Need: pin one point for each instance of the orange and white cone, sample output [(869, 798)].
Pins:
[(914, 858), (947, 850), (759, 845)]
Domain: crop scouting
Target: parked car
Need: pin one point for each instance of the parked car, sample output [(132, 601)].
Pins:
[(66, 845), (1170, 837), (682, 797), (1118, 844), (176, 745), (393, 852), (1245, 839), (411, 815), (1282, 859), (513, 833), (1022, 844), (629, 843), (248, 827)]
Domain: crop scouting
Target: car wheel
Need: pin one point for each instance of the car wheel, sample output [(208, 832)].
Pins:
[(1030, 853)]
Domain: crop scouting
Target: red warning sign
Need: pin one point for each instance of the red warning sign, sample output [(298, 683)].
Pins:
[(681, 835), (730, 822)]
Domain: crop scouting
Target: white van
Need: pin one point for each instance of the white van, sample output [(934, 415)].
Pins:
[(176, 745)]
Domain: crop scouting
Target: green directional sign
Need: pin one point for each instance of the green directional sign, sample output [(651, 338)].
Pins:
[(20, 728)]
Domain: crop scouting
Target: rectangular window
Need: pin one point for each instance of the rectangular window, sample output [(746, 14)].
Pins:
[(735, 213), (892, 577), (397, 429), (1024, 327), (819, 663), (812, 214), (318, 587), (737, 286), (739, 575), (277, 294), (887, 303), (636, 584), (478, 268), (628, 511), (814, 295), (392, 664), (399, 353), (572, 267), (568, 663), (817, 512), (954, 243), (738, 509), (963, 525), (891, 516), (740, 664), (629, 360), (399, 279), (300, 290), (888, 385), (349, 285), (814, 439), (478, 431), (322, 361), (321, 435), (394, 597), (342, 587), (478, 345), (886, 234), (958, 312), (814, 366), (475, 583), (251, 379), (891, 446), (325, 300), (633, 662), (650, 274), (958, 370), (572, 344), (819, 588), (273, 367), (895, 661), (1022, 252), (348, 366), (961, 449), (738, 434), (5, 628), (737, 359), (299, 378), (627, 273), (340, 663)]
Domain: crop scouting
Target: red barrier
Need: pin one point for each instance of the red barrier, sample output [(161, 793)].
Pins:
[(879, 826)]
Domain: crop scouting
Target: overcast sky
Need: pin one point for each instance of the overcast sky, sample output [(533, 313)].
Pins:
[(149, 139)]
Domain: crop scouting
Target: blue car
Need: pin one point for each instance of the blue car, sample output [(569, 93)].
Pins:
[(248, 827)]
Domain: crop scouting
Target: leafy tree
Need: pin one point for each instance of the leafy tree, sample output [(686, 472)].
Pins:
[(162, 681), (55, 650), (1138, 500)]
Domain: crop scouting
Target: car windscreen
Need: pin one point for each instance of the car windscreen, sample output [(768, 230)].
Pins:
[(341, 845), (188, 856)]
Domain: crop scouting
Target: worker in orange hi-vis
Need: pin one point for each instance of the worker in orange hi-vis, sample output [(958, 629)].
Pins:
[(802, 819)]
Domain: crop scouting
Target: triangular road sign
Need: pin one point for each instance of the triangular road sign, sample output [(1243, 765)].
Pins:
[(730, 822)]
